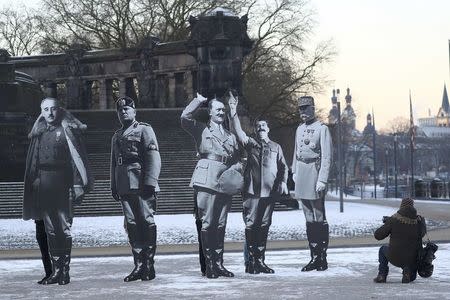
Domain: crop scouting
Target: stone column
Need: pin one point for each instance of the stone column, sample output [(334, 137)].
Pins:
[(102, 94), (50, 89), (122, 87), (73, 95), (188, 86), (172, 85), (109, 94)]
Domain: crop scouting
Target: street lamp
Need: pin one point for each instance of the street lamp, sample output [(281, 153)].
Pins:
[(395, 164), (339, 151), (386, 173)]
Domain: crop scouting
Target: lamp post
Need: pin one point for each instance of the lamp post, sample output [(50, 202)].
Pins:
[(395, 164), (386, 172), (339, 152)]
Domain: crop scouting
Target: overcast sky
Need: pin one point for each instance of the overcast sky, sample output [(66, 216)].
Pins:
[(384, 49)]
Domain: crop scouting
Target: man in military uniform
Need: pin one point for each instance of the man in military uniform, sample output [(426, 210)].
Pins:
[(57, 175), (135, 168), (218, 150), (265, 180), (311, 167)]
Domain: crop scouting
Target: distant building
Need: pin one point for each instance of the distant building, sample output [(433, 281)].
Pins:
[(439, 125)]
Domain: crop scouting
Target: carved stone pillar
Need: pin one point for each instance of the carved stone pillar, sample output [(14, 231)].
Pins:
[(102, 94), (122, 87), (188, 86), (50, 89), (74, 93), (172, 85)]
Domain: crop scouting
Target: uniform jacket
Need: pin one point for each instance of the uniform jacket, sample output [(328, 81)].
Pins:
[(135, 159), (82, 175), (208, 140), (312, 158), (266, 168), (404, 235)]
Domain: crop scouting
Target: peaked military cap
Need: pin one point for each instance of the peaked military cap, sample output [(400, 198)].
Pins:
[(124, 101), (305, 100)]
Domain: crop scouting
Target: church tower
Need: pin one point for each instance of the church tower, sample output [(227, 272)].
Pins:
[(443, 117), (348, 115)]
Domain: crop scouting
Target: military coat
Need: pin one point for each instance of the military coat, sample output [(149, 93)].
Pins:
[(312, 158), (135, 159), (209, 141)]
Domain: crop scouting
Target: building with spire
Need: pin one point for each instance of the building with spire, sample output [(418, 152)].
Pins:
[(348, 115), (438, 125)]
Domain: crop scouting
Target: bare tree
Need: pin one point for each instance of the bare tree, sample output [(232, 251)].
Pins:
[(398, 125), (18, 31)]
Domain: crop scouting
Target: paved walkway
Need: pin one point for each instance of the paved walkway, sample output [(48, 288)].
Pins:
[(349, 276)]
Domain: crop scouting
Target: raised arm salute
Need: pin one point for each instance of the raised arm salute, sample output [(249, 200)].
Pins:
[(213, 178), (265, 179)]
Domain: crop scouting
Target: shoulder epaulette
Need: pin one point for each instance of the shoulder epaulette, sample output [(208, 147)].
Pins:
[(145, 124)]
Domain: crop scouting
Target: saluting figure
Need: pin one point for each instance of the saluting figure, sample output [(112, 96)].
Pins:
[(311, 167), (57, 176), (212, 179), (135, 168), (265, 180)]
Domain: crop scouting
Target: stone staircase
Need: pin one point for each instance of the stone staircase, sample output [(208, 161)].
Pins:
[(178, 157)]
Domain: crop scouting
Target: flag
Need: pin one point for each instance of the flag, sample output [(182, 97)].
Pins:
[(412, 128)]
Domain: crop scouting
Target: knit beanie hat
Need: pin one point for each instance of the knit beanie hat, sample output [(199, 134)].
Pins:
[(407, 202)]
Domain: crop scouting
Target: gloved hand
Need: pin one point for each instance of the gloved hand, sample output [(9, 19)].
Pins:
[(320, 186), (284, 189), (148, 191), (115, 195)]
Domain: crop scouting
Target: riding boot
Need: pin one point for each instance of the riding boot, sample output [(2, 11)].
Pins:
[(201, 256), (222, 271), (253, 252), (262, 242), (311, 233), (136, 273), (148, 255), (322, 263), (65, 267), (57, 263), (41, 238), (209, 245)]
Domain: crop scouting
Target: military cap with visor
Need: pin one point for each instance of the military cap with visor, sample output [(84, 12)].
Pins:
[(306, 100), (124, 101)]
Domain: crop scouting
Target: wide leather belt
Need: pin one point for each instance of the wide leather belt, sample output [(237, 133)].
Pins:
[(308, 160), (127, 161), (53, 167), (216, 157)]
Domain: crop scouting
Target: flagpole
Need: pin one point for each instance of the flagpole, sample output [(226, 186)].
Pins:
[(374, 156), (411, 143)]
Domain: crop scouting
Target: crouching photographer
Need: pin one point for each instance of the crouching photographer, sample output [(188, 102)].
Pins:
[(404, 228)]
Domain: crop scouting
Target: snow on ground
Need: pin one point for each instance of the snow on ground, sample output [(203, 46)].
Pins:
[(349, 276), (357, 220)]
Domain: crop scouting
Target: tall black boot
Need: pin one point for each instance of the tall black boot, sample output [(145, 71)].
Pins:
[(57, 264), (323, 240), (201, 256), (136, 249), (312, 234), (253, 252), (262, 242), (137, 272), (41, 238), (65, 267), (209, 245), (221, 270), (149, 254)]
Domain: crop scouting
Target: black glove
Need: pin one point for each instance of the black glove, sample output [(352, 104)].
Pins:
[(148, 191), (115, 195)]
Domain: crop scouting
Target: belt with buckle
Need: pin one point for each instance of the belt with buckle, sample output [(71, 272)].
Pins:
[(53, 166), (223, 159), (126, 161), (308, 160)]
